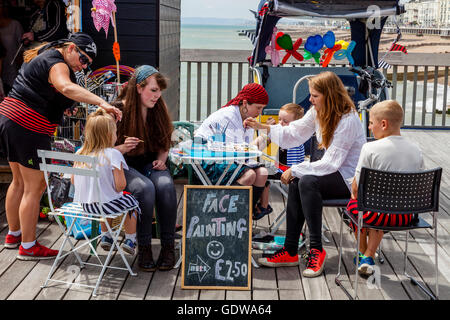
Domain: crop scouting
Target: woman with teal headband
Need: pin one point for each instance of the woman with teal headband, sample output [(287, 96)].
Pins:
[(143, 137)]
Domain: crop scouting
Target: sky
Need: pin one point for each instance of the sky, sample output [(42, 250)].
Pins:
[(235, 9)]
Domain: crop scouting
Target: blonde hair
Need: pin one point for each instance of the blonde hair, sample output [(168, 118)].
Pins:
[(337, 103), (33, 52), (389, 110), (294, 108), (98, 133)]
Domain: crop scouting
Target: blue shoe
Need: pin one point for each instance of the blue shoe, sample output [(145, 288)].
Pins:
[(106, 243), (129, 246), (360, 256), (366, 266)]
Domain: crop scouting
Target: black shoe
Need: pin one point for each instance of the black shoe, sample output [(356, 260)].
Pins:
[(145, 258), (166, 259)]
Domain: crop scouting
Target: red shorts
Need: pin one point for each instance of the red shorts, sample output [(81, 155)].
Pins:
[(379, 219)]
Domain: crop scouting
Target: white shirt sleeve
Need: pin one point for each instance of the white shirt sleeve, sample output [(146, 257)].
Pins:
[(296, 133), (344, 136), (117, 159)]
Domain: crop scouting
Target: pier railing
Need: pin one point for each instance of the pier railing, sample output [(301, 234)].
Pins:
[(210, 78)]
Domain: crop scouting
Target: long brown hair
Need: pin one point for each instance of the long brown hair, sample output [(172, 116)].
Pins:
[(157, 129), (337, 103)]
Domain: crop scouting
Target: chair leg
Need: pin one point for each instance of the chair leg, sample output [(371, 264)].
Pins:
[(359, 226), (325, 228), (380, 254), (436, 254), (336, 279), (180, 258), (414, 281)]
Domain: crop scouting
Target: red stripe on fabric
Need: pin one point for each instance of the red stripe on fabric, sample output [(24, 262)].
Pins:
[(20, 117), (380, 219), (386, 220), (23, 112), (372, 215), (400, 219), (26, 117), (352, 204), (19, 105)]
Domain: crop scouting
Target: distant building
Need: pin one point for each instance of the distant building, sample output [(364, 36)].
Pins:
[(427, 14)]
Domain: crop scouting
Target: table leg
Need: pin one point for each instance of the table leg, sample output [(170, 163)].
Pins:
[(201, 173), (223, 174), (234, 174)]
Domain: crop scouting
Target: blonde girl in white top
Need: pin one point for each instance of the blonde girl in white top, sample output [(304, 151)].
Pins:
[(100, 138), (333, 118)]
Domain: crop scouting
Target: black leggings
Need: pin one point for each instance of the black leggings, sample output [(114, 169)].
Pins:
[(305, 203)]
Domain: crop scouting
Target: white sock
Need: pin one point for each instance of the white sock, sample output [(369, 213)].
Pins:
[(131, 236), (15, 233), (28, 245)]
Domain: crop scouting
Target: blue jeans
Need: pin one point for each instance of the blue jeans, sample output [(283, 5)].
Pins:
[(153, 187)]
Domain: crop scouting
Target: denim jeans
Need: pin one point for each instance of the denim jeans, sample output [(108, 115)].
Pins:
[(153, 187)]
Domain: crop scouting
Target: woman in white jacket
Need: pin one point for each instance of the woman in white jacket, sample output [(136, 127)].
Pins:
[(339, 131)]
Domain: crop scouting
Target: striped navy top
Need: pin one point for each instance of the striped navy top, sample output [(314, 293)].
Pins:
[(294, 156)]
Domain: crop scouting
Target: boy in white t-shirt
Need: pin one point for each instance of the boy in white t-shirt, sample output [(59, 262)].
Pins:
[(100, 137), (390, 152)]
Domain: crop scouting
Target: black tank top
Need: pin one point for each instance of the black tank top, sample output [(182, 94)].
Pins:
[(31, 86)]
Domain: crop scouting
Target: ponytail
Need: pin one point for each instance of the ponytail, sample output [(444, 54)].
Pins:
[(34, 52)]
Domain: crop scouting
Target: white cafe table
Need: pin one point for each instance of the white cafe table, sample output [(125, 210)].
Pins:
[(199, 153)]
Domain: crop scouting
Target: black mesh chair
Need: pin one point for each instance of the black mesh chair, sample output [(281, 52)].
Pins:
[(396, 193)]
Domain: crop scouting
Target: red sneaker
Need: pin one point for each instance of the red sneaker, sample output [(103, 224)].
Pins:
[(281, 258), (36, 252), (316, 261), (12, 242)]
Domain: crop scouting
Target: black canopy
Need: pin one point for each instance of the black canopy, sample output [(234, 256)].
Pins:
[(333, 8), (357, 12)]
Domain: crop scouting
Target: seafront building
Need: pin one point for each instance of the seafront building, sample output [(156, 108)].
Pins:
[(427, 14)]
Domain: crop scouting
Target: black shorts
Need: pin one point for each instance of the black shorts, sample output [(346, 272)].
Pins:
[(18, 144)]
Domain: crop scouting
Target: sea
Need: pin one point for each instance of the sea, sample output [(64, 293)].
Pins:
[(227, 37), (214, 37)]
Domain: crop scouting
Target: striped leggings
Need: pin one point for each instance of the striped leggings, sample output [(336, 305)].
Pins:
[(378, 219), (119, 205)]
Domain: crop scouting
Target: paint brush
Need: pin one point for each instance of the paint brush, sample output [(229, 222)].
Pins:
[(132, 137)]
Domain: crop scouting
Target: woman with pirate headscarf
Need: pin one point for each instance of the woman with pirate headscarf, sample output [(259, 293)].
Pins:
[(248, 103), (43, 90)]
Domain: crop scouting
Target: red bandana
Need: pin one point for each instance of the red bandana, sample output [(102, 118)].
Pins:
[(253, 93)]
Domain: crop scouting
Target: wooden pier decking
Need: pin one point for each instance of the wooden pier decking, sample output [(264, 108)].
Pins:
[(23, 279)]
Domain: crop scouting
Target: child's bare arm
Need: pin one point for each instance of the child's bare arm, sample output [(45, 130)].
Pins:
[(119, 179), (354, 189)]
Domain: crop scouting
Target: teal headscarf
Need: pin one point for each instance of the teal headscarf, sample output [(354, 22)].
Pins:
[(143, 72)]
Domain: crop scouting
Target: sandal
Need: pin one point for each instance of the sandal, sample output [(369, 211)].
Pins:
[(262, 212)]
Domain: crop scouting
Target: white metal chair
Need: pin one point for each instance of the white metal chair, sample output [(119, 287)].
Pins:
[(75, 211)]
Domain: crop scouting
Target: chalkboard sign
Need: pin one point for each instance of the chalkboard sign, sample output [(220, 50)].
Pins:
[(217, 237)]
